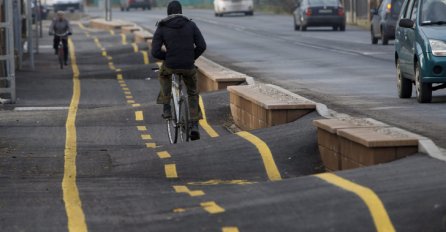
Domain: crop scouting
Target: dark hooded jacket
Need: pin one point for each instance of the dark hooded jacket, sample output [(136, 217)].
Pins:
[(183, 40)]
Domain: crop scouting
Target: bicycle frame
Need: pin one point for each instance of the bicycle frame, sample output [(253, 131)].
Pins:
[(176, 93)]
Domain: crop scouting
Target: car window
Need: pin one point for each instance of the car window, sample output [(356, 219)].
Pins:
[(433, 11), (404, 11)]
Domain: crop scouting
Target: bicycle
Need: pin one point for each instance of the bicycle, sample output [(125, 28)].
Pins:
[(60, 50), (178, 126)]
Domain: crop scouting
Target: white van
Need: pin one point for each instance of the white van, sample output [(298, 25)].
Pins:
[(233, 6)]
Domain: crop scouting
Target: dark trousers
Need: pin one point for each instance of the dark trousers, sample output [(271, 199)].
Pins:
[(65, 46), (190, 82)]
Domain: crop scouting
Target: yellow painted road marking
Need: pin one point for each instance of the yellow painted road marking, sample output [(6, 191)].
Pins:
[(124, 39), (171, 170), (141, 128), (136, 105), (130, 101), (127, 93), (163, 154), (179, 210), (112, 32), (229, 229), (109, 58), (121, 81), (123, 85), (151, 145), (204, 123), (267, 157), (218, 182), (145, 56), (374, 204), (98, 44), (73, 204), (135, 47), (104, 53), (111, 66), (119, 76), (185, 189), (146, 137), (212, 207), (126, 89), (81, 26), (139, 116), (129, 97), (118, 70)]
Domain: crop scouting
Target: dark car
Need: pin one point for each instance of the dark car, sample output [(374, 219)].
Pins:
[(143, 4), (319, 13), (384, 21), (67, 5), (420, 48)]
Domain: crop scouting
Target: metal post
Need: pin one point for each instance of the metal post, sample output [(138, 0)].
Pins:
[(18, 31), (36, 22), (29, 19), (40, 19), (108, 10)]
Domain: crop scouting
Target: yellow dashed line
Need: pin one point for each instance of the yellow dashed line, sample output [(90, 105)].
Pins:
[(142, 128), (109, 58), (126, 89), (112, 32), (73, 204), (131, 101), (111, 66), (212, 207), (204, 123), (179, 210), (163, 154), (267, 157), (118, 70), (135, 47), (145, 56), (127, 93), (151, 145), (124, 39), (104, 53), (146, 137), (119, 77), (185, 189), (123, 85), (81, 26), (139, 116), (171, 170), (374, 204), (136, 105), (129, 97), (229, 229)]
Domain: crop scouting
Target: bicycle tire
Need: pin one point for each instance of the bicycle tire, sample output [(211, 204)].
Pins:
[(172, 124), (184, 119), (61, 57)]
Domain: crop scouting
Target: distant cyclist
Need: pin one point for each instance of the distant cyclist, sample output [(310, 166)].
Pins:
[(184, 44), (60, 26)]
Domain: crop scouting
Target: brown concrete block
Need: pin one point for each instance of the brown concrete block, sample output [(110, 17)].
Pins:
[(349, 150), (130, 29), (348, 164), (402, 152), (276, 117), (333, 125), (328, 140), (330, 159), (366, 155), (379, 137)]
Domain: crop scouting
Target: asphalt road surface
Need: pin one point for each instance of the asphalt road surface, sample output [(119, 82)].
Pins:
[(341, 69), (85, 149)]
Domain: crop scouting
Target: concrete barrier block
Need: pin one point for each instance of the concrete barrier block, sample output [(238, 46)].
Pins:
[(130, 29), (330, 159), (215, 76), (142, 36), (267, 106), (346, 163)]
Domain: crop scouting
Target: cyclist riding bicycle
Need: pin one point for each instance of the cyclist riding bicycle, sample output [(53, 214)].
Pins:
[(60, 26), (184, 44)]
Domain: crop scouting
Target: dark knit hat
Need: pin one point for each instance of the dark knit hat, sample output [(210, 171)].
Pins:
[(174, 7)]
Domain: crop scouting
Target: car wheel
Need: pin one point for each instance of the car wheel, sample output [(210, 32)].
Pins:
[(128, 8), (122, 8), (404, 85), (424, 90), (374, 39), (296, 27), (342, 27), (303, 28), (384, 38)]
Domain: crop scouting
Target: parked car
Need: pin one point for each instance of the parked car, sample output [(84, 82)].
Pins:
[(143, 4), (384, 20), (319, 13), (67, 5), (222, 7), (420, 48)]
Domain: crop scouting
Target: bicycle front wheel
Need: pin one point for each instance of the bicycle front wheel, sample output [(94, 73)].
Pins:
[(184, 120), (61, 57), (172, 124)]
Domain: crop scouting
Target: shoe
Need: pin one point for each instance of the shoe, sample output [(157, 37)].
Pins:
[(194, 132), (167, 111)]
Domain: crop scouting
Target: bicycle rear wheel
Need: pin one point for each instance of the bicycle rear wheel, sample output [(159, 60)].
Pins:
[(172, 124), (61, 57), (184, 120)]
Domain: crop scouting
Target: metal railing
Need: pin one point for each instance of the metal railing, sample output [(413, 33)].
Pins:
[(7, 69)]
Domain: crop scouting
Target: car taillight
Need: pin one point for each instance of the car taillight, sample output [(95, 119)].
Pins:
[(389, 7), (341, 11), (308, 11)]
